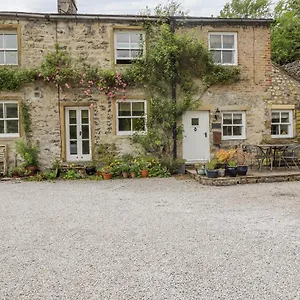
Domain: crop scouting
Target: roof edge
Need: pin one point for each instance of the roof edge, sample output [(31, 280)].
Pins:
[(137, 18)]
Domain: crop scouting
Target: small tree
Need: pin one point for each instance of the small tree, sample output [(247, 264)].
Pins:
[(247, 9), (285, 32)]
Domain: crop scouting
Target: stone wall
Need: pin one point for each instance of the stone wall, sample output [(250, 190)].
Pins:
[(94, 39)]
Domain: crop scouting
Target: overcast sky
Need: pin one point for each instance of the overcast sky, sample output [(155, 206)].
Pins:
[(199, 8)]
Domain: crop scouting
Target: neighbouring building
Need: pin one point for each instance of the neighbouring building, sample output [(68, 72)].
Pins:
[(262, 106)]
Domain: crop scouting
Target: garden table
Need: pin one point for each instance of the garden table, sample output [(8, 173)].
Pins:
[(271, 153)]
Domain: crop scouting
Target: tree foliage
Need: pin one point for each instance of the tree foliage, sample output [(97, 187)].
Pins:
[(285, 33), (247, 9), (173, 58)]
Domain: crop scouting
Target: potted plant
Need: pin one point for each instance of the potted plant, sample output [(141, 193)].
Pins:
[(223, 156), (90, 169), (106, 172), (17, 172), (242, 158), (143, 167), (232, 168), (29, 153), (210, 169), (134, 169), (56, 167), (201, 169), (125, 169)]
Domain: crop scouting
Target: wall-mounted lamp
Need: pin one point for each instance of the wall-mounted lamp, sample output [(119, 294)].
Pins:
[(217, 114)]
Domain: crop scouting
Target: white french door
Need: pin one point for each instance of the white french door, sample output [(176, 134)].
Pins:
[(78, 134)]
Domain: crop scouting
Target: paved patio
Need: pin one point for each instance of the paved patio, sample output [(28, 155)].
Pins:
[(253, 176), (149, 239)]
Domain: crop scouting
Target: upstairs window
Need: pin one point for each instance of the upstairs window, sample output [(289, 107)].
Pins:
[(131, 117), (9, 119), (282, 124), (8, 48), (129, 45), (233, 125), (223, 47)]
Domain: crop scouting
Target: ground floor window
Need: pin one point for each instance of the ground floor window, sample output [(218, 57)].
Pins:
[(131, 117), (282, 123), (233, 125), (9, 119)]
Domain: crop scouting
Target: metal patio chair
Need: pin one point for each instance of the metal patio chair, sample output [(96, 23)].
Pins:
[(290, 156)]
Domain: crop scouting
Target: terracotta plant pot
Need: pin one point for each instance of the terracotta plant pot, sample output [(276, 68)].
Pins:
[(144, 173), (132, 174), (32, 169), (125, 174), (99, 173), (107, 176)]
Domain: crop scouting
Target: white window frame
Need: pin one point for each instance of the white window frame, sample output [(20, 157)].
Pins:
[(290, 124), (2, 34), (243, 125), (5, 119), (131, 117), (235, 50), (116, 44)]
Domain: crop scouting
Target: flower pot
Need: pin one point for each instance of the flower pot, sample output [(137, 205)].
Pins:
[(201, 171), (99, 173), (107, 176), (242, 170), (32, 170), (90, 170), (221, 172), (132, 174), (232, 171), (125, 174), (144, 173), (212, 173)]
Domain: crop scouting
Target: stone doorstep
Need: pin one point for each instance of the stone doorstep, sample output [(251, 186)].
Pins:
[(263, 178)]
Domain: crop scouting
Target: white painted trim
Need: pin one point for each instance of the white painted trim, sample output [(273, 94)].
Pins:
[(235, 50), (131, 117), (79, 156), (290, 124), (243, 125), (8, 135), (143, 47)]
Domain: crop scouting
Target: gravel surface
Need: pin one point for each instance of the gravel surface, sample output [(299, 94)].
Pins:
[(149, 239)]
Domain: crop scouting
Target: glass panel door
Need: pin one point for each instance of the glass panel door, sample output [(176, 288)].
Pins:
[(78, 134)]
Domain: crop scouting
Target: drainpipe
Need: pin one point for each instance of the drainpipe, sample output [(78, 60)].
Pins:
[(172, 21)]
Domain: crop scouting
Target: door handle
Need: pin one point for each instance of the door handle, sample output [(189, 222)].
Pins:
[(205, 134), (80, 133)]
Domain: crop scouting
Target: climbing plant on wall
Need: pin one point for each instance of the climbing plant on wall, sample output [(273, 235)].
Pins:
[(175, 71)]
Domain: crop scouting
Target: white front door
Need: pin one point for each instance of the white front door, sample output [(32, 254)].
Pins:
[(196, 136), (78, 134)]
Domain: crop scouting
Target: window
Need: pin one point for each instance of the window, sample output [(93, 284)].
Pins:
[(281, 124), (129, 45), (223, 47), (8, 48), (233, 125), (131, 116), (9, 119)]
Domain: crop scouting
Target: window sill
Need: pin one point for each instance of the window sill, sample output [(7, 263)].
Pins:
[(282, 137), (233, 138)]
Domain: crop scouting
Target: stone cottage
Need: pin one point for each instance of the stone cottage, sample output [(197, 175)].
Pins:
[(262, 106)]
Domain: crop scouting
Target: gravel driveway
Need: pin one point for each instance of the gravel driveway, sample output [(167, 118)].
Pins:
[(149, 239)]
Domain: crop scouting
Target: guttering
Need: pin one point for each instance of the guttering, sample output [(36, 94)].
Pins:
[(135, 18)]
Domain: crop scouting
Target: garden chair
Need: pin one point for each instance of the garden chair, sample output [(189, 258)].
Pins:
[(3, 160), (290, 156)]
